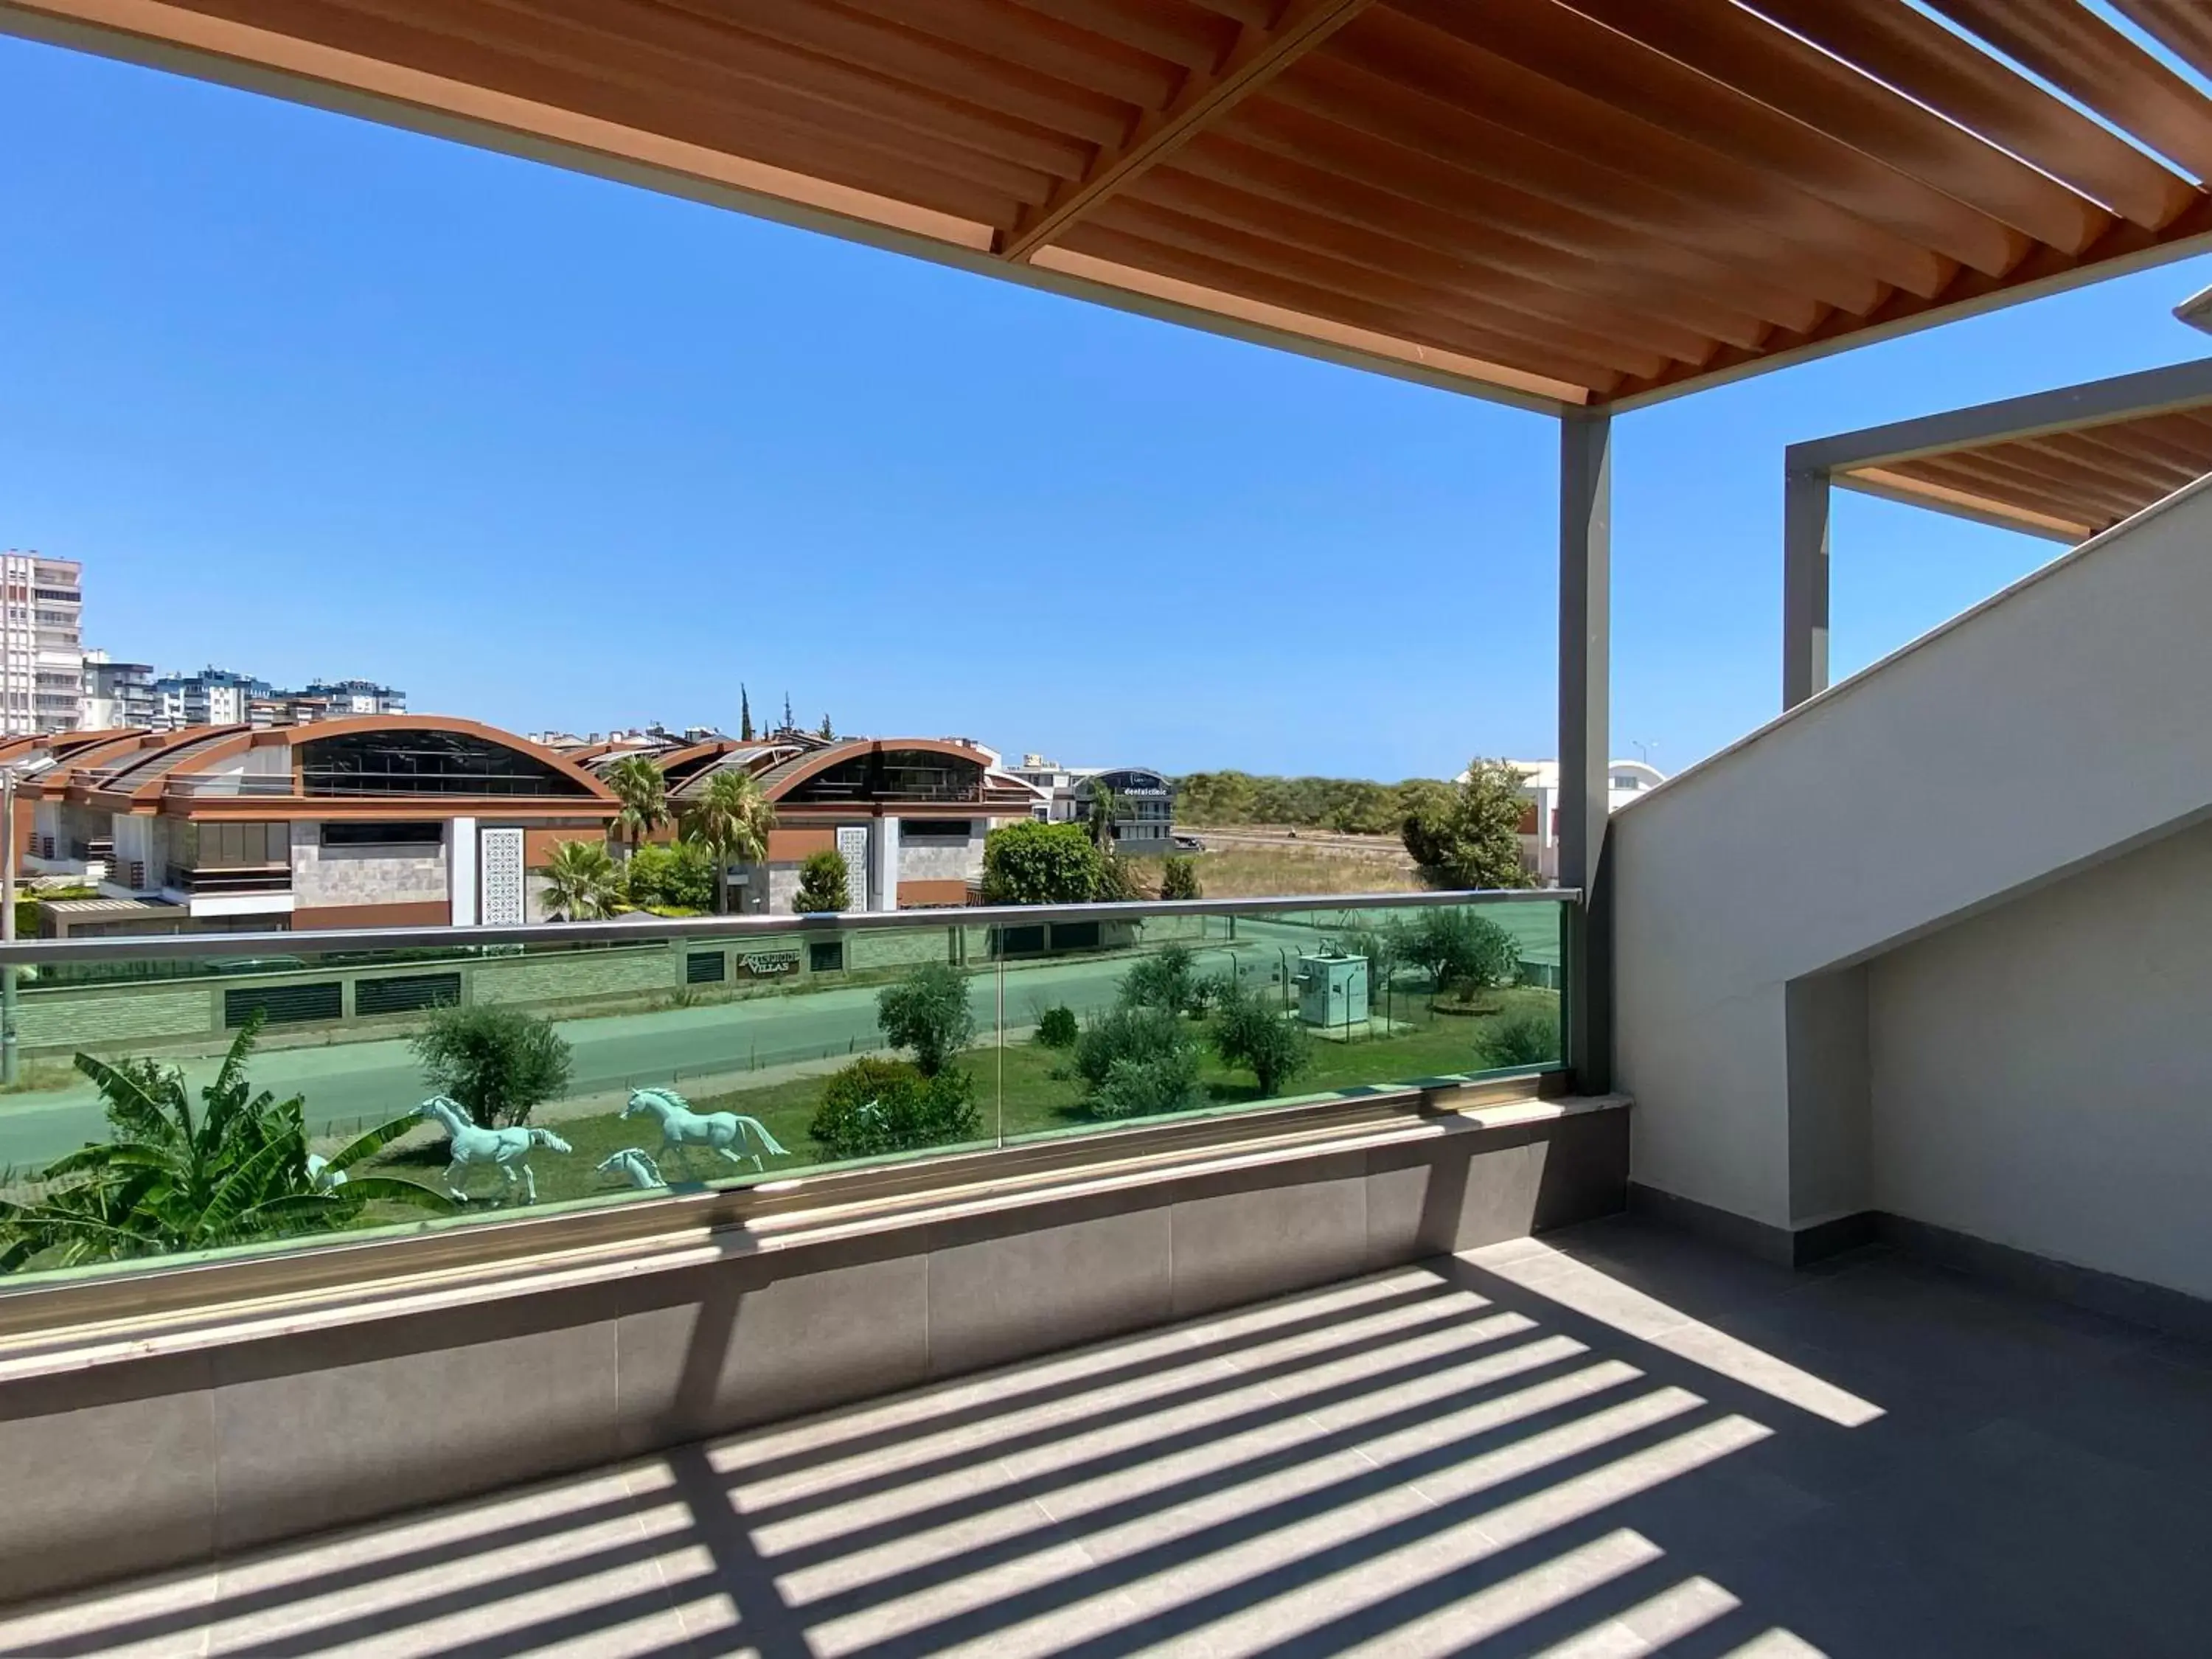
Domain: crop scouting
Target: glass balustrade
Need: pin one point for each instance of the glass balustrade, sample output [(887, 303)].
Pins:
[(187, 1094)]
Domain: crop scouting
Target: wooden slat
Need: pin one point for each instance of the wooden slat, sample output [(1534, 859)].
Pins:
[(1390, 256), (1563, 46), (2078, 52), (1271, 257), (1259, 53), (1580, 256), (1992, 475), (1176, 34), (897, 55), (857, 92), (1881, 481), (1147, 254), (1924, 60), (1740, 198), (646, 84), (1071, 56), (2183, 27), (1335, 116), (1742, 51), (2047, 503), (485, 40), (2134, 466), (2014, 465), (2171, 443), (1241, 311), (2042, 271)]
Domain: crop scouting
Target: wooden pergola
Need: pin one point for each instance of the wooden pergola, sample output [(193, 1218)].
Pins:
[(2065, 464), (1575, 206), (1563, 202)]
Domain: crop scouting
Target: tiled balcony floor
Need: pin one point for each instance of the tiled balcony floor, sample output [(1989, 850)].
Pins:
[(1612, 1442)]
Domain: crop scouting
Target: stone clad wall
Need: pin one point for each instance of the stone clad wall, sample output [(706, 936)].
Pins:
[(363, 875)]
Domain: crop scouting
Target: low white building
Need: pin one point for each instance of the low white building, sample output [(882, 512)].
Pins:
[(1539, 822)]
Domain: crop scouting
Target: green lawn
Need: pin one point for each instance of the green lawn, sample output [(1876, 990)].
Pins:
[(1022, 1089)]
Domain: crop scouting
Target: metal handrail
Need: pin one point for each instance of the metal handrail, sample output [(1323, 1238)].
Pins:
[(169, 947)]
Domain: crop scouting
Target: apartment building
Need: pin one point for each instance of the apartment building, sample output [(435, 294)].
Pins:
[(117, 694), (351, 697), (42, 643), (214, 696)]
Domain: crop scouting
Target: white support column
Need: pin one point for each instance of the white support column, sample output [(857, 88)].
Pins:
[(883, 880), (461, 869)]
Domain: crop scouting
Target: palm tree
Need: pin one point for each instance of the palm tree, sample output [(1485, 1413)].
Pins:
[(731, 818), (1105, 808), (236, 1172), (580, 881), (642, 789)]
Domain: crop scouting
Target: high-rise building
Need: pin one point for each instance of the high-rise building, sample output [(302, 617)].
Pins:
[(214, 696), (41, 644), (117, 694), (355, 696)]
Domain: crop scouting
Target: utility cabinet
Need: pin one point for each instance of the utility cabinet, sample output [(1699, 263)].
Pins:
[(1332, 990)]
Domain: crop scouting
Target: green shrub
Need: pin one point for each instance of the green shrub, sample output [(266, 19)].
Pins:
[(1179, 879), (1142, 1088), (1056, 1027), (680, 877), (1034, 863), (928, 1011), (1207, 993), (497, 1061), (1137, 1060), (1247, 1030), (1530, 1037), (824, 883), (1164, 979), (873, 1106)]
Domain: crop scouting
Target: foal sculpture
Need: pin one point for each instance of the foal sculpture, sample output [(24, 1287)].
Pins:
[(681, 1127), (634, 1163), (505, 1148)]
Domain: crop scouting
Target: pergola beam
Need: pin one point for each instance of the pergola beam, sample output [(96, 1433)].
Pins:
[(1261, 52), (2093, 403)]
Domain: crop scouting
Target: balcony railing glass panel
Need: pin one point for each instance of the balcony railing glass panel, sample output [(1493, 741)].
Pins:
[(585, 1065)]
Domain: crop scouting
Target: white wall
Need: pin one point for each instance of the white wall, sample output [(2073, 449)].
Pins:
[(2053, 727), (2042, 1074)]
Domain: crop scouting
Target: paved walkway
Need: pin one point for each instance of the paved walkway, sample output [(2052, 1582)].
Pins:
[(1611, 1442)]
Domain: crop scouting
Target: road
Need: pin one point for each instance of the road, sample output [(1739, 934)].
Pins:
[(349, 1085)]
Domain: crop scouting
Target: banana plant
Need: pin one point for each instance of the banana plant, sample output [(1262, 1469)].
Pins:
[(169, 1178)]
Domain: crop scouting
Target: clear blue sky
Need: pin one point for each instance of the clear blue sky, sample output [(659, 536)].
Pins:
[(309, 396)]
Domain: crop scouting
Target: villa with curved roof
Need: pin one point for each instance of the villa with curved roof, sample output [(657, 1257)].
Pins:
[(412, 820), (376, 820), (909, 815)]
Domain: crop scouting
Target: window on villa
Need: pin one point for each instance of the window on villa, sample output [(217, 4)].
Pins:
[(237, 846), (894, 774), (383, 834), (424, 762), (935, 828)]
